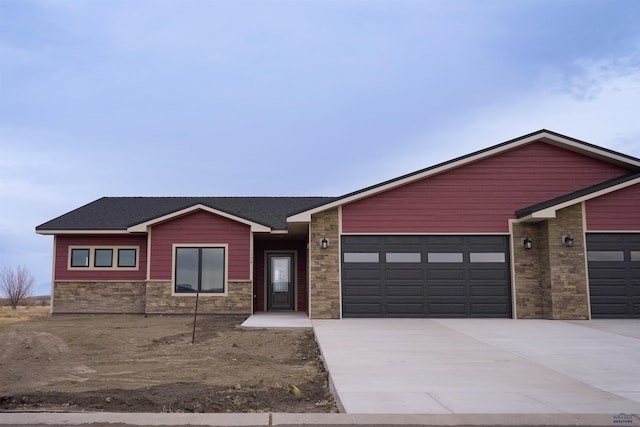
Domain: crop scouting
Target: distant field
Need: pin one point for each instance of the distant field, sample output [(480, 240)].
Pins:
[(9, 315)]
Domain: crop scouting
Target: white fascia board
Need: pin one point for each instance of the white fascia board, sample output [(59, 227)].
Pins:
[(593, 151), (54, 232), (142, 227)]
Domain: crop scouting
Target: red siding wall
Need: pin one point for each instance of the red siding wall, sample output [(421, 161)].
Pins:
[(205, 228), (479, 197), (259, 249), (617, 211), (62, 253)]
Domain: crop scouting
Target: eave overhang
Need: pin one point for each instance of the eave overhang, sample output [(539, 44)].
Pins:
[(77, 231)]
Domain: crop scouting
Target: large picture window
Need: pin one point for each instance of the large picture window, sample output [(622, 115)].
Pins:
[(199, 269)]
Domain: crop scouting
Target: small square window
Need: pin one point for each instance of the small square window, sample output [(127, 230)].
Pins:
[(103, 258), (79, 257), (126, 257)]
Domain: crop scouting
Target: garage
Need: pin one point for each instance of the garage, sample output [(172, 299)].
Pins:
[(614, 274), (426, 276)]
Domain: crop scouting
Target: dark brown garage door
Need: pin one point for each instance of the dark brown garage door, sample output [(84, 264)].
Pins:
[(614, 274), (425, 276)]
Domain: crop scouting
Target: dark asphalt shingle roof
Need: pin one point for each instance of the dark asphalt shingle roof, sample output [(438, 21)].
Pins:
[(119, 213), (576, 194)]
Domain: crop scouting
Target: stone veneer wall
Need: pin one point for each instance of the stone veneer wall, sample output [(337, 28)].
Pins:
[(98, 297), (160, 301), (324, 266), (550, 279)]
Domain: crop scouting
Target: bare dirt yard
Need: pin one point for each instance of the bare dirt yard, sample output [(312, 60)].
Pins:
[(148, 364)]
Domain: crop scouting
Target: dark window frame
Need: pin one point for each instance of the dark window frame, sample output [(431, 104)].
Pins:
[(95, 258), (135, 258), (199, 289), (86, 264)]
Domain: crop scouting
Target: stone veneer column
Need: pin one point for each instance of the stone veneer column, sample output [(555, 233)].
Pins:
[(531, 268), (324, 266), (551, 280), (567, 266)]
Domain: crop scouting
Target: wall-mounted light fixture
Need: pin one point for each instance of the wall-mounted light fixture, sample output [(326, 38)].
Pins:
[(528, 244), (324, 244), (568, 241)]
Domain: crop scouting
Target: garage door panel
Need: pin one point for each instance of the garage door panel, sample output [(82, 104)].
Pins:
[(403, 241), (446, 290), (403, 290), (609, 309), (488, 309), (607, 273), (363, 274), (446, 274), (436, 241), (398, 274), (614, 276), (430, 276), (610, 289), (409, 309), (484, 241), (480, 274), (447, 309), (488, 291), (362, 290)]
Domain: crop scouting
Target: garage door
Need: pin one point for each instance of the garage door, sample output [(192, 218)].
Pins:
[(425, 276), (614, 274)]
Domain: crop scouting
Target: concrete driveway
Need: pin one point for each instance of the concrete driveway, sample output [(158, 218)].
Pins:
[(482, 366)]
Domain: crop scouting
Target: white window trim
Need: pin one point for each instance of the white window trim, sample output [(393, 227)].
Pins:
[(114, 259), (225, 246)]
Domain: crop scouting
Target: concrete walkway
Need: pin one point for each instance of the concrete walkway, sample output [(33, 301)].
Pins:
[(483, 366), (278, 320)]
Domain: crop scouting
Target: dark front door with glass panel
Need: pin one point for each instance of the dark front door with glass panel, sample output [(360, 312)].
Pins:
[(280, 282)]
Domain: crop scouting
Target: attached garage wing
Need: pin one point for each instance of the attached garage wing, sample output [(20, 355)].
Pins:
[(425, 276), (614, 274)]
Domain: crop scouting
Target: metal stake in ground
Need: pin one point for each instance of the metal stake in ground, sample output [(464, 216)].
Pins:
[(195, 316)]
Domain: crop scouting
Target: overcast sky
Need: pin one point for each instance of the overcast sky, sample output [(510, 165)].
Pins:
[(306, 97)]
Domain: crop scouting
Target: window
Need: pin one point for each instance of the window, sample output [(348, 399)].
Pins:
[(605, 256), (80, 257), (403, 257), (361, 257), (200, 269), (444, 257), (103, 258), (486, 257), (126, 257)]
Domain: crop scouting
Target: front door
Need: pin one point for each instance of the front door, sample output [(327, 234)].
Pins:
[(280, 283)]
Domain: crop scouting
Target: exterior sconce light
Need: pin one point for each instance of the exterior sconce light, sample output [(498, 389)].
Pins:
[(324, 244), (528, 244), (568, 241)]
